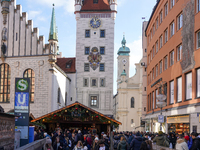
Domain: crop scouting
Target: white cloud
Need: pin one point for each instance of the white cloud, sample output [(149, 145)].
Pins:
[(68, 5), (135, 54), (32, 14), (120, 2)]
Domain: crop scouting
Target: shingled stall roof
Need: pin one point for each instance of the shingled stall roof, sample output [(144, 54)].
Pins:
[(76, 112), (63, 62), (102, 5)]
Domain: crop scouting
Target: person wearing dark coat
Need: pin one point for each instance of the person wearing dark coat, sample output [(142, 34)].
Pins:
[(78, 137), (130, 138), (57, 144), (136, 142), (196, 141), (116, 142), (122, 144), (172, 139)]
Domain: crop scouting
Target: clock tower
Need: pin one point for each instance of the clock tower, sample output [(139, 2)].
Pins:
[(123, 61), (95, 22)]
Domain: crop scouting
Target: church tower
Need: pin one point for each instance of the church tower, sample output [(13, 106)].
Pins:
[(53, 39), (123, 60), (95, 24)]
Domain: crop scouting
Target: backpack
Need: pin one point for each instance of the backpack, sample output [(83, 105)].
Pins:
[(115, 144), (165, 142)]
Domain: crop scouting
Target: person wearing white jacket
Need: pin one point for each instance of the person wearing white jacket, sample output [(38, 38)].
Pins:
[(181, 144)]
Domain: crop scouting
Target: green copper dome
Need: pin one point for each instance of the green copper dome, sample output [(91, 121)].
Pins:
[(123, 51), (53, 35), (123, 73)]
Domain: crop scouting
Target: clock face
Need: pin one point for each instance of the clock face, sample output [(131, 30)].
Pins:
[(95, 22), (124, 61)]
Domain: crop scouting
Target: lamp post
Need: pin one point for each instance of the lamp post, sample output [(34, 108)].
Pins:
[(161, 103)]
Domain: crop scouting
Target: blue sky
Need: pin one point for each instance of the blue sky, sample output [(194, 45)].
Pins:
[(128, 21)]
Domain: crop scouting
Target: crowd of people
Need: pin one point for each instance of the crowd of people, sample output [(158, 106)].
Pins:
[(83, 140)]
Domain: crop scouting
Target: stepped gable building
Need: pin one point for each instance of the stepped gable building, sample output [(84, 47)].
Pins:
[(128, 101), (24, 54), (95, 24), (173, 35)]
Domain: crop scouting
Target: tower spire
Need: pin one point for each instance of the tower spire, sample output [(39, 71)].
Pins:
[(53, 35)]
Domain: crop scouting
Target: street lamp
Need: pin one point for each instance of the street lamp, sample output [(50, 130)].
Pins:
[(161, 103)]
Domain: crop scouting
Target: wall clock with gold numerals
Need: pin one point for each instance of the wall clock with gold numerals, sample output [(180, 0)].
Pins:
[(95, 22)]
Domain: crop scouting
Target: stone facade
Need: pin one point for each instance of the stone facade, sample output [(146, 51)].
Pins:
[(104, 94), (129, 116), (23, 50)]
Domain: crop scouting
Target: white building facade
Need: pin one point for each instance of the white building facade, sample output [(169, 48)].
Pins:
[(24, 54), (128, 101), (95, 53)]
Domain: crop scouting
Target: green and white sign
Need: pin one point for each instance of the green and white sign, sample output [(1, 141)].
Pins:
[(22, 85)]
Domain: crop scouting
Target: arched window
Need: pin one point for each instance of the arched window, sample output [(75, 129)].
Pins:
[(65, 98), (5, 83), (132, 102), (29, 73)]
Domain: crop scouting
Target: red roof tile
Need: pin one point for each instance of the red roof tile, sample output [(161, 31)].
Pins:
[(61, 62), (102, 5)]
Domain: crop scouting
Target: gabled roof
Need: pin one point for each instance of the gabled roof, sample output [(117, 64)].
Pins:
[(102, 5), (72, 105), (62, 62)]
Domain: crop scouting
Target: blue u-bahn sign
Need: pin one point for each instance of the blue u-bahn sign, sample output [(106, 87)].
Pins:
[(22, 87)]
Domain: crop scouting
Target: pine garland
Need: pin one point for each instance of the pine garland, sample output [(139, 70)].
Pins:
[(76, 112)]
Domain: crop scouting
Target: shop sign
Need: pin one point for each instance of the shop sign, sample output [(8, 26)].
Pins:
[(178, 119), (21, 108), (160, 118)]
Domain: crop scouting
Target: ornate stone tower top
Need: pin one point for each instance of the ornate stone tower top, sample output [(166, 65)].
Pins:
[(123, 50)]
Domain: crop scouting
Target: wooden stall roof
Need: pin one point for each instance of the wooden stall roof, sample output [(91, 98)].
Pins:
[(77, 103)]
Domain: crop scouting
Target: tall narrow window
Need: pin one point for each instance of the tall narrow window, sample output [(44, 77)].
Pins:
[(102, 33), (85, 82), (86, 67), (102, 50), (156, 70), (198, 82), (65, 98), (5, 83), (157, 23), (166, 9), (179, 89), (156, 46), (171, 92), (161, 41), (161, 17), (150, 105), (87, 50), (29, 73), (180, 21), (171, 58), (58, 94), (132, 102), (198, 5), (198, 39), (179, 52), (153, 99), (153, 73), (102, 67), (165, 89), (166, 35), (102, 82), (172, 29), (87, 33), (156, 96), (172, 4), (165, 59), (160, 66), (93, 100), (153, 49), (188, 85)]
